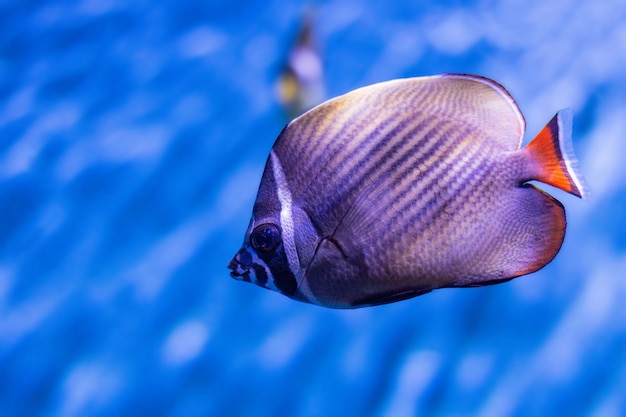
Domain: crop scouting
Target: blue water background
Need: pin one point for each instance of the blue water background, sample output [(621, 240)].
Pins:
[(132, 138)]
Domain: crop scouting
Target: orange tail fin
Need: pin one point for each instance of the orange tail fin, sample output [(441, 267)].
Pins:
[(553, 155)]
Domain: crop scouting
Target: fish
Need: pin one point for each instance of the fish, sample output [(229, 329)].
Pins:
[(300, 84), (406, 186)]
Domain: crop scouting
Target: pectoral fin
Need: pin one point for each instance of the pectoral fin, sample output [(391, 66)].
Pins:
[(330, 278)]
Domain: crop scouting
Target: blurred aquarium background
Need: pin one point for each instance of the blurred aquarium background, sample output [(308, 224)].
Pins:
[(133, 135)]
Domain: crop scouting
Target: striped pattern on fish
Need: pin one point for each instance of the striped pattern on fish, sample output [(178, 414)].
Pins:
[(410, 185)]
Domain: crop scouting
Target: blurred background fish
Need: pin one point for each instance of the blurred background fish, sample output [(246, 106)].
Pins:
[(300, 85)]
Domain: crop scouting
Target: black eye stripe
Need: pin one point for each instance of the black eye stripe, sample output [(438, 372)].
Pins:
[(261, 275), (284, 278), (286, 282)]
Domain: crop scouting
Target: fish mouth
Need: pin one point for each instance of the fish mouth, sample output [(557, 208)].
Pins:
[(237, 270), (238, 274)]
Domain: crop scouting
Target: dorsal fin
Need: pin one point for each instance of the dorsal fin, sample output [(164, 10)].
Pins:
[(488, 105)]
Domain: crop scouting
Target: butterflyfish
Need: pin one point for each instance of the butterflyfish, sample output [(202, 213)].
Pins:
[(402, 187)]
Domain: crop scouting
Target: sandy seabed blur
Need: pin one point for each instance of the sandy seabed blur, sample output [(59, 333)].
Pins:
[(132, 140)]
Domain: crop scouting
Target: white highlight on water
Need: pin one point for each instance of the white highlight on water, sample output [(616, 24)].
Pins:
[(185, 342)]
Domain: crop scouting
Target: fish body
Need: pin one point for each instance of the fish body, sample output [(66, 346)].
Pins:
[(402, 187)]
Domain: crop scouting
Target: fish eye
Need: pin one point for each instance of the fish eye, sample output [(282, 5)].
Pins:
[(265, 237)]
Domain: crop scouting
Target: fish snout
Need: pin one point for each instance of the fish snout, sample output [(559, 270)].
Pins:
[(237, 268)]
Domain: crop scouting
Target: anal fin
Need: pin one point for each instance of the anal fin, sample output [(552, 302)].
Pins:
[(531, 229)]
